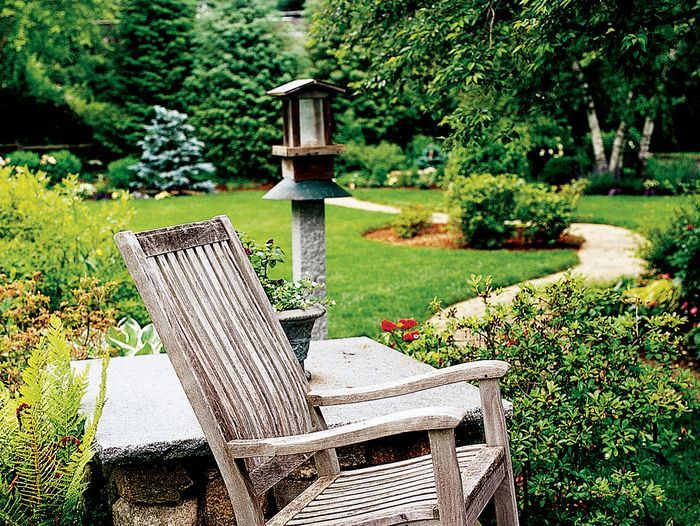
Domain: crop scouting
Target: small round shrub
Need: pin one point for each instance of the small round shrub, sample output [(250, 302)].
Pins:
[(120, 173), (482, 206), (412, 221), (674, 176), (373, 162), (24, 158), (560, 170), (59, 165), (545, 213)]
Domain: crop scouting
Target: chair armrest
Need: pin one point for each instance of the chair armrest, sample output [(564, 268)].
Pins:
[(424, 419), (479, 370)]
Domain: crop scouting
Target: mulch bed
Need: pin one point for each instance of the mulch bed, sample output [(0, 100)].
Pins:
[(442, 236)]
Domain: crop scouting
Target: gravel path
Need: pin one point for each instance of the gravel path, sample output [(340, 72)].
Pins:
[(608, 253)]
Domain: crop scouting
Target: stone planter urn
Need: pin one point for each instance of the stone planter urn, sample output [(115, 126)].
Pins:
[(297, 325)]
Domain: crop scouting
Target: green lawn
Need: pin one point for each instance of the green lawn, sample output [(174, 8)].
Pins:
[(369, 280), (636, 212)]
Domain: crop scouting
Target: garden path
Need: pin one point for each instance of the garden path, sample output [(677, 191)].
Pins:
[(608, 253)]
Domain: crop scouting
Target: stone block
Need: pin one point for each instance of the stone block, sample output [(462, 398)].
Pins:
[(161, 484), (285, 491), (395, 449), (217, 508), (125, 513), (352, 457)]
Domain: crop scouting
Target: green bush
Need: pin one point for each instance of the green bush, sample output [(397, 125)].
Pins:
[(560, 170), (45, 442), (482, 207), (53, 232), (59, 165), (24, 158), (120, 174), (372, 162), (545, 213), (674, 176), (412, 221), (675, 250), (608, 184), (239, 55), (597, 400)]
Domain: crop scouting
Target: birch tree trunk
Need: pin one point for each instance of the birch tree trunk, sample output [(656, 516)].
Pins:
[(601, 162), (618, 147), (645, 144)]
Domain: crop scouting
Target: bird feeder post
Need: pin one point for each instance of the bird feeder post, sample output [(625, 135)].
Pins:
[(307, 176)]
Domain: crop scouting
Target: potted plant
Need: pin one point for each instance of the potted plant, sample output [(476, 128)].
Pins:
[(296, 303)]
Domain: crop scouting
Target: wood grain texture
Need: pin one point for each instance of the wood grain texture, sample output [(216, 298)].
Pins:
[(423, 419), (448, 481), (458, 373), (497, 435)]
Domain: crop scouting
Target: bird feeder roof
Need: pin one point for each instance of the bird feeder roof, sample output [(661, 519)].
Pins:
[(312, 190), (299, 86)]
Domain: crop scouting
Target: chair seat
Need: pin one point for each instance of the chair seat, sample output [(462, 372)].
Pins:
[(391, 493)]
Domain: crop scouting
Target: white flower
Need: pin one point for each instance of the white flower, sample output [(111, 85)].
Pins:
[(550, 151), (542, 152), (162, 195), (3, 162)]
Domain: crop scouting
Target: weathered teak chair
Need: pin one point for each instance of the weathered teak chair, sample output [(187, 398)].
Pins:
[(261, 419)]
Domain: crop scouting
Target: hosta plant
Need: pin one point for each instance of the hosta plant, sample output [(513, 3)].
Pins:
[(45, 442), (128, 338)]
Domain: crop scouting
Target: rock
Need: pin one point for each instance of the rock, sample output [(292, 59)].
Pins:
[(217, 503), (184, 513), (161, 484), (395, 449), (285, 491)]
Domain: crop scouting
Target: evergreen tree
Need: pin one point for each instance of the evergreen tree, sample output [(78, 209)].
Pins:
[(151, 61), (239, 56), (172, 157)]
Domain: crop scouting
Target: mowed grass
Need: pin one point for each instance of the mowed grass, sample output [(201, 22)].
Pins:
[(638, 213), (369, 280)]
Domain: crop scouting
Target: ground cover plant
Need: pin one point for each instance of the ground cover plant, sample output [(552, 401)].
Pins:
[(598, 404), (365, 278)]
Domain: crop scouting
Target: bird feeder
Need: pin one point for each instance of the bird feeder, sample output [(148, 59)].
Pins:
[(307, 155)]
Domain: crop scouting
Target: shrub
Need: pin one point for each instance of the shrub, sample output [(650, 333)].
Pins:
[(24, 158), (675, 250), (597, 402), (46, 443), (482, 206), (412, 221), (544, 212), (172, 157), (53, 232), (560, 170), (675, 176), (128, 338), (59, 165), (373, 162), (608, 184), (120, 173), (239, 55)]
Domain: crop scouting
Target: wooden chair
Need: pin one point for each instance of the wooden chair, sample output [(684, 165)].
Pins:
[(261, 419)]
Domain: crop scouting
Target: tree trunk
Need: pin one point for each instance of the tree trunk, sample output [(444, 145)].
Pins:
[(644, 145), (618, 147), (601, 162)]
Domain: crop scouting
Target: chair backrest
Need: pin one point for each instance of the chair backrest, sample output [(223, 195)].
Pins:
[(220, 332)]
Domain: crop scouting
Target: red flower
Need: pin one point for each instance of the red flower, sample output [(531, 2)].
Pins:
[(689, 227), (407, 324), (664, 276), (410, 336), (389, 326)]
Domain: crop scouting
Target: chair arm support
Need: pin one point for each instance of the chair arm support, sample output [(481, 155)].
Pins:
[(424, 419), (479, 370)]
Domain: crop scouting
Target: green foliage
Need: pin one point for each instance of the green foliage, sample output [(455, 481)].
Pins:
[(24, 158), (597, 401), (412, 221), (45, 443), (53, 232), (172, 156), (283, 294), (674, 176), (130, 339), (239, 56), (59, 165), (560, 170), (544, 212), (481, 206), (151, 60), (675, 250), (366, 165), (120, 173)]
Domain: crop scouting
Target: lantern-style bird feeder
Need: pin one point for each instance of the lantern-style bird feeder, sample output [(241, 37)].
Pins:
[(307, 174)]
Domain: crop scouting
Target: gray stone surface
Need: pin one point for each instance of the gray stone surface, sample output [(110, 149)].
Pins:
[(148, 418), (182, 514), (158, 484)]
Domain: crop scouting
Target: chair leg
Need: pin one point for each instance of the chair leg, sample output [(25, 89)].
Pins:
[(504, 500), (448, 481)]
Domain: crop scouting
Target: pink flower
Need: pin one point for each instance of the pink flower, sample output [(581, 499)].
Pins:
[(694, 311)]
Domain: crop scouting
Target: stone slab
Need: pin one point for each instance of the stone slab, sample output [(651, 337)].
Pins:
[(147, 417)]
